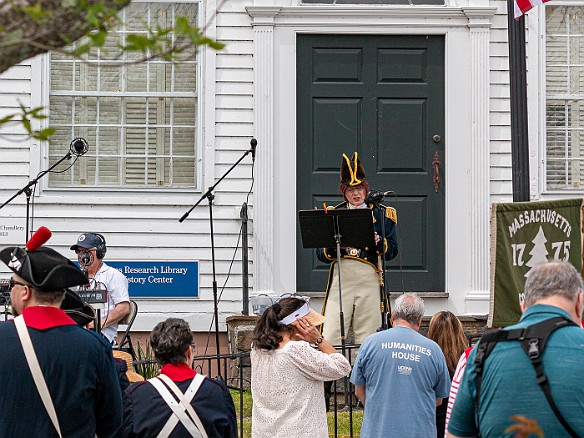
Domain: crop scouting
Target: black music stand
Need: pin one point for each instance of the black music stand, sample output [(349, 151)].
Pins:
[(326, 229)]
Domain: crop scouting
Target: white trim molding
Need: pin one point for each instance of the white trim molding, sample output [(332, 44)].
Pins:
[(263, 235), (479, 25)]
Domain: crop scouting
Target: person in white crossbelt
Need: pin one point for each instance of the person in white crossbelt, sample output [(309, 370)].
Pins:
[(205, 407)]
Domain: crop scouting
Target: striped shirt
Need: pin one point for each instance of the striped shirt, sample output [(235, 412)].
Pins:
[(456, 379)]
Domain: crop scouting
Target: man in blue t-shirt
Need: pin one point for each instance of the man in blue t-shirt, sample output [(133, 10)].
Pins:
[(509, 385), (401, 376)]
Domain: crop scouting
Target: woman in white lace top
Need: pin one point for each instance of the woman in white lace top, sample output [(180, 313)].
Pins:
[(287, 374)]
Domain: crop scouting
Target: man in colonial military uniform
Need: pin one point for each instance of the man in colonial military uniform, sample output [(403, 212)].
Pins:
[(56, 378), (360, 267)]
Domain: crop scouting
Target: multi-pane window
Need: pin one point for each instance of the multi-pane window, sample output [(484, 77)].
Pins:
[(564, 96), (138, 117)]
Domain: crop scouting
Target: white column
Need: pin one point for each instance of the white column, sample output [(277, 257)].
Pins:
[(263, 212), (479, 24)]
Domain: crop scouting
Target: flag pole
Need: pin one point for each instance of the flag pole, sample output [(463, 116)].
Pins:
[(518, 95)]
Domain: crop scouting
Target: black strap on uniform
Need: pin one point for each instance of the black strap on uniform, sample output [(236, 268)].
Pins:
[(533, 340)]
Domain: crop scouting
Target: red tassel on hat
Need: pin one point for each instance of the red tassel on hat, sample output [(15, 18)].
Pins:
[(39, 238)]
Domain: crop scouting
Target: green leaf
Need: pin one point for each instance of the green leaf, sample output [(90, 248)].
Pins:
[(7, 119), (26, 124), (36, 13), (98, 38), (182, 25), (43, 134), (137, 43), (80, 50)]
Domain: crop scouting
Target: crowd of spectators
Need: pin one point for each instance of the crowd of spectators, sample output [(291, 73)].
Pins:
[(59, 379)]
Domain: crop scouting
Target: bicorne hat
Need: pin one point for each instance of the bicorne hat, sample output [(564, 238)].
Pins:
[(44, 268), (352, 173)]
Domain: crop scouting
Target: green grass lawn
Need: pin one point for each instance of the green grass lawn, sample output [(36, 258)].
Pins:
[(342, 418)]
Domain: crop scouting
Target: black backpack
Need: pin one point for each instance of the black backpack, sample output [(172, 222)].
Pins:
[(533, 340)]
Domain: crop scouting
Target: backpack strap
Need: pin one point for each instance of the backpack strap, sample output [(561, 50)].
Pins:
[(533, 340)]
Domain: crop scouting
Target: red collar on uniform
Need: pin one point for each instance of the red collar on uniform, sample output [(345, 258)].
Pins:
[(45, 317), (178, 372)]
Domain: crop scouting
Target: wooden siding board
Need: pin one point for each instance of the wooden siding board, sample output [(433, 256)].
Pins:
[(236, 116), (18, 71), (235, 88), (234, 102), (500, 160), (238, 48), (232, 75), (236, 61), (233, 19), (14, 86)]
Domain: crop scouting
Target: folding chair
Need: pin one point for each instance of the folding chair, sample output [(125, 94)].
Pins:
[(125, 343)]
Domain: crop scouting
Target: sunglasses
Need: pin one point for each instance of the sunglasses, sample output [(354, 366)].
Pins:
[(14, 283), (79, 251)]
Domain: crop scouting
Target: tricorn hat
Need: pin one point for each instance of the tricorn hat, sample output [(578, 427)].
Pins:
[(44, 268), (77, 309)]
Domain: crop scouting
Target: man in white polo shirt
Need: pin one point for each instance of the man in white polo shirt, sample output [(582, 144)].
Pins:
[(90, 249)]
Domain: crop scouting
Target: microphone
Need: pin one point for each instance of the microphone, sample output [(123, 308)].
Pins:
[(39, 238), (86, 258), (253, 144), (78, 146), (376, 196)]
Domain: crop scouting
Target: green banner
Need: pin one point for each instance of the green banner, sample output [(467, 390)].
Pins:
[(524, 234)]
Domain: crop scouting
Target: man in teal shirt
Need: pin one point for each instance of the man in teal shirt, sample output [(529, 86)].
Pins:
[(509, 385)]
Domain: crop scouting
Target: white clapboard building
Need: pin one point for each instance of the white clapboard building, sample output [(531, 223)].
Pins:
[(419, 87)]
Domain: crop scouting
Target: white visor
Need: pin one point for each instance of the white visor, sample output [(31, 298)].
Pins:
[(303, 311)]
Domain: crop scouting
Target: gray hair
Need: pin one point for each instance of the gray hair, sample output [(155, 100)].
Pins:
[(408, 307), (551, 279)]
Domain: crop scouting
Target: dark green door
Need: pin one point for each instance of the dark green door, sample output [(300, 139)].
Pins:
[(382, 96)]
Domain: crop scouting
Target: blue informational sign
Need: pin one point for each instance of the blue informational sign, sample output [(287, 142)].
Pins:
[(160, 279)]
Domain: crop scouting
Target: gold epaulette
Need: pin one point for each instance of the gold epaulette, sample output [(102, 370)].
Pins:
[(391, 213)]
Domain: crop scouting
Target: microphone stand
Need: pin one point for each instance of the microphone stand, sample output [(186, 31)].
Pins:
[(210, 196), (27, 189), (383, 287)]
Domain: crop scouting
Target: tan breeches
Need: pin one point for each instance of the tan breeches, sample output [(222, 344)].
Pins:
[(361, 302)]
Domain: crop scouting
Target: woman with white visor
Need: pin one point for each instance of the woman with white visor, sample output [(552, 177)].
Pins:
[(288, 374)]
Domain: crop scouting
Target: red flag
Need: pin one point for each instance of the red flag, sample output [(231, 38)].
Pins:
[(522, 6)]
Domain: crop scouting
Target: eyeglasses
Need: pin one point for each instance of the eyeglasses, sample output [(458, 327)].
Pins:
[(79, 251), (14, 283)]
